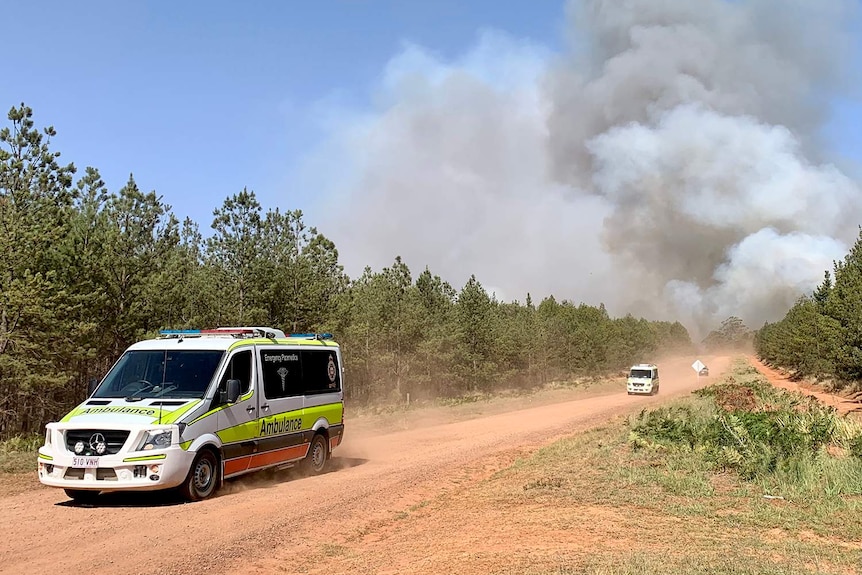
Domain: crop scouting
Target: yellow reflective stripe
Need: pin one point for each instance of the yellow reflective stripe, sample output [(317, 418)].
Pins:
[(241, 432), (333, 412), (245, 397), (185, 445), (166, 416), (207, 414), (145, 458), (173, 416), (48, 457), (284, 341), (71, 414)]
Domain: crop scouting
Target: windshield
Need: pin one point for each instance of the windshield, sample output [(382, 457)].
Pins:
[(643, 373), (161, 373)]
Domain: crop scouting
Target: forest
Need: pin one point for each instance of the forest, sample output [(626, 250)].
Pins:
[(86, 271), (821, 335)]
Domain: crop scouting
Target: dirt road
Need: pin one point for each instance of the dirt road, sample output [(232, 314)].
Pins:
[(780, 379), (309, 525)]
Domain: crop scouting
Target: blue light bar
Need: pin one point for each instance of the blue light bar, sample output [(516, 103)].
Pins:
[(178, 331), (311, 335)]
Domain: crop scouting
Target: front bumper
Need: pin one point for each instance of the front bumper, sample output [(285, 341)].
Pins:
[(126, 470), (645, 389), (164, 470)]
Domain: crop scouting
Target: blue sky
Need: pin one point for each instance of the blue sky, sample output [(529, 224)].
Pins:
[(199, 99)]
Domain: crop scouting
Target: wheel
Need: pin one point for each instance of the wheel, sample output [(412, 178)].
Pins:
[(82, 495), (203, 477), (318, 452)]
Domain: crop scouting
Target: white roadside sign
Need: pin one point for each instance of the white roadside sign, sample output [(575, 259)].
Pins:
[(697, 366)]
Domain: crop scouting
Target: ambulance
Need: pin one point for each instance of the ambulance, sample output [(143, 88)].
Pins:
[(643, 379), (192, 408)]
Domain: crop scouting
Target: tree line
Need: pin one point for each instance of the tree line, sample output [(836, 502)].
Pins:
[(821, 335), (85, 271)]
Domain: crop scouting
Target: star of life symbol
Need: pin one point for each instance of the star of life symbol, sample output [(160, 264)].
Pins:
[(282, 372), (330, 369)]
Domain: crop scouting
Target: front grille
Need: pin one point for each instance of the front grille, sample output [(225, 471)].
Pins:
[(114, 439)]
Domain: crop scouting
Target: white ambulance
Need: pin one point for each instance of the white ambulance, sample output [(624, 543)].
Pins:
[(643, 379), (193, 407)]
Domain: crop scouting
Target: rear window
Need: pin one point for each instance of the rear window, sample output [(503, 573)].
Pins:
[(643, 373)]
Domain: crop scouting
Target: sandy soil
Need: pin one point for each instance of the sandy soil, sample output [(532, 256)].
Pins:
[(780, 379), (347, 520)]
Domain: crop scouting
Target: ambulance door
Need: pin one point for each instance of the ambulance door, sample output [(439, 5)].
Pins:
[(237, 422), (280, 437)]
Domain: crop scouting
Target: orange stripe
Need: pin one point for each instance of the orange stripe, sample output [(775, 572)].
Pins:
[(278, 455), (236, 465), (333, 443)]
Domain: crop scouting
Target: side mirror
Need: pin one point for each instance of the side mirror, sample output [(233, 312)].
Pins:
[(92, 385), (233, 389)]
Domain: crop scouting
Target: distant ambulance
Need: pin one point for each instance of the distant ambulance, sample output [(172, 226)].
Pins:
[(193, 407), (643, 379)]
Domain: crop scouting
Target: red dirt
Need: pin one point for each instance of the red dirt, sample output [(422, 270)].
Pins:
[(782, 380), (352, 519)]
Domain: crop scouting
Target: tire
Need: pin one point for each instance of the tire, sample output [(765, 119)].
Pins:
[(318, 453), (82, 495), (203, 477)]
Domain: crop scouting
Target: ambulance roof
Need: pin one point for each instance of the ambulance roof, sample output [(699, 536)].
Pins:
[(228, 338)]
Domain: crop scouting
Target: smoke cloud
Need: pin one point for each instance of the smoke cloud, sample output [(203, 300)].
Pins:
[(669, 164)]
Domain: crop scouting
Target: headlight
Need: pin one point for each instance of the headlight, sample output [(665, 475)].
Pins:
[(158, 439)]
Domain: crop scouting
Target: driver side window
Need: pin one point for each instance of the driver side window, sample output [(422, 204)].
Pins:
[(238, 368)]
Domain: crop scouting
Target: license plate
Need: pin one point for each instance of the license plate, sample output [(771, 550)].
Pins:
[(86, 462)]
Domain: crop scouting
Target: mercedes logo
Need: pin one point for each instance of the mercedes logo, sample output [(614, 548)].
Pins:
[(98, 443)]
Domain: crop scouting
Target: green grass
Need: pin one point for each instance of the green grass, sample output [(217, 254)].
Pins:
[(788, 443), (18, 454), (684, 509), (793, 561)]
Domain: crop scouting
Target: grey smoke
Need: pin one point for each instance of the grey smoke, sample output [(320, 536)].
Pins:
[(669, 164)]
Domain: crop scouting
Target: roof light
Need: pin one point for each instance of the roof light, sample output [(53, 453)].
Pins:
[(178, 331), (237, 332), (226, 330), (311, 335)]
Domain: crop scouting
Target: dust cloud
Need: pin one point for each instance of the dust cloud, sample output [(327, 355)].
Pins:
[(669, 163)]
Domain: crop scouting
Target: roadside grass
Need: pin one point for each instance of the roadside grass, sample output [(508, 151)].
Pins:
[(18, 454), (698, 487)]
